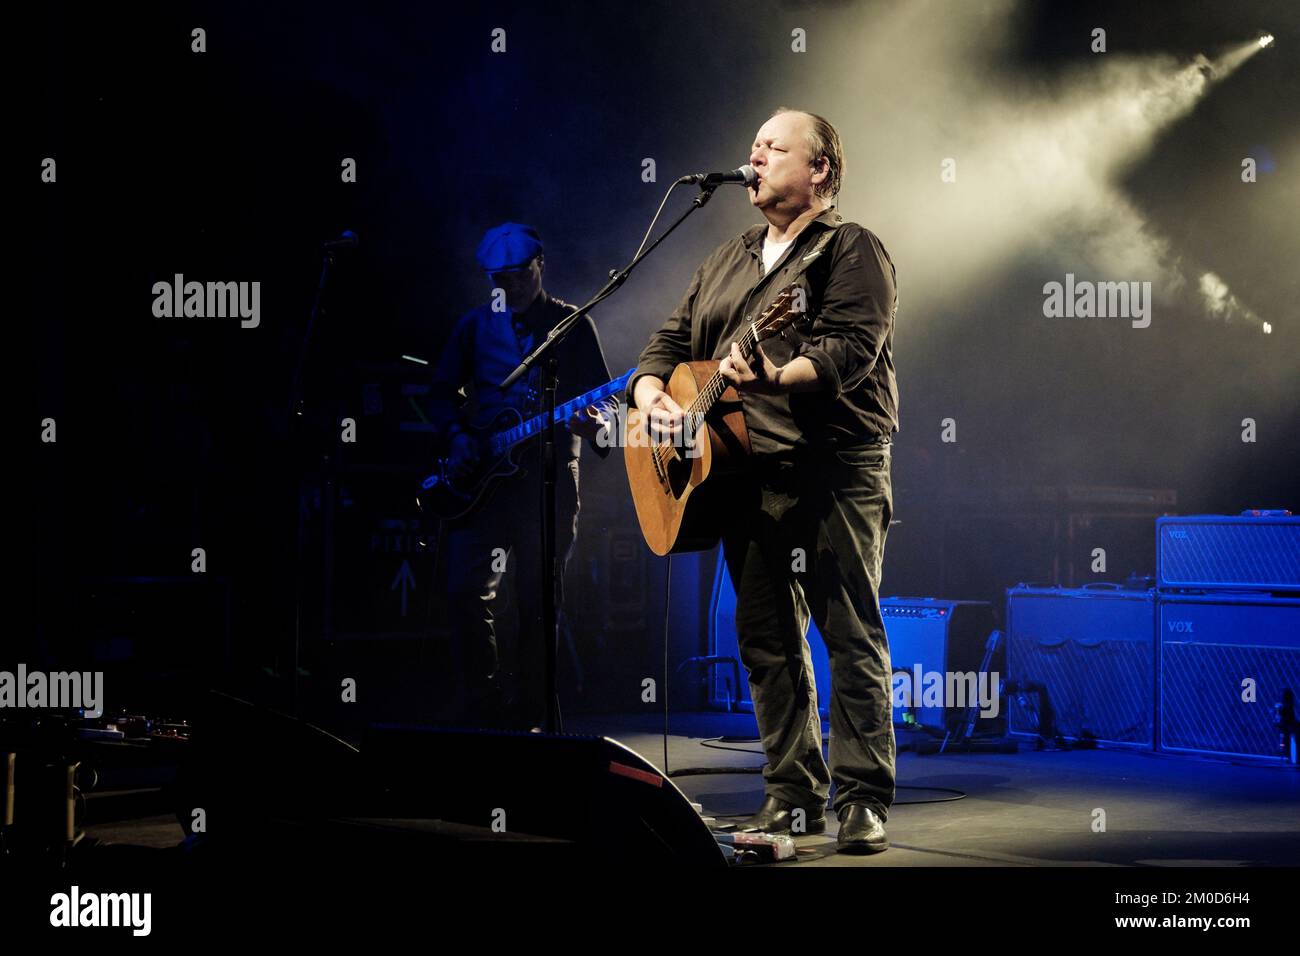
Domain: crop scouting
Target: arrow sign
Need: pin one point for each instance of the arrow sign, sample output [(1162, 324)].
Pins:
[(406, 580)]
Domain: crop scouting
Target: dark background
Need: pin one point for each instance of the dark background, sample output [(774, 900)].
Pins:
[(225, 165)]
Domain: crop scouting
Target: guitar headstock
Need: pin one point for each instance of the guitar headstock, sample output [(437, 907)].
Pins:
[(789, 306)]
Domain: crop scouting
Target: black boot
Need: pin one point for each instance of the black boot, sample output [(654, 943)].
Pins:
[(861, 831), (778, 816)]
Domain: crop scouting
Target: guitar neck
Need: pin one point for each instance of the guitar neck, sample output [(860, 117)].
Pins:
[(716, 384), (505, 440)]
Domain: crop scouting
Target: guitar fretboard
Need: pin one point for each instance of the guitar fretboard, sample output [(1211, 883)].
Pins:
[(503, 441), (716, 384)]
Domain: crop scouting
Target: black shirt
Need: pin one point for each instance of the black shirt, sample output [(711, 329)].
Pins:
[(851, 296), (486, 346)]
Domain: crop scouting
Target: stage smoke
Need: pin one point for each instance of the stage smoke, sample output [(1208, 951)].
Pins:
[(1035, 166)]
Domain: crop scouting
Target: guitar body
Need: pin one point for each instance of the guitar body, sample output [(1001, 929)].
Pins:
[(683, 495), (680, 507), (444, 498)]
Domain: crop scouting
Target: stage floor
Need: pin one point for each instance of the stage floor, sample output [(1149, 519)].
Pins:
[(1027, 809)]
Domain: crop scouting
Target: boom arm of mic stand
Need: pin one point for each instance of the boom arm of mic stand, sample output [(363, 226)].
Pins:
[(616, 279)]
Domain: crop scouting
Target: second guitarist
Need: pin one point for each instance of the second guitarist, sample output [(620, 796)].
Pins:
[(485, 346)]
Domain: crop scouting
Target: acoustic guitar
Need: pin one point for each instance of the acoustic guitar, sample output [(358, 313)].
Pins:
[(679, 488)]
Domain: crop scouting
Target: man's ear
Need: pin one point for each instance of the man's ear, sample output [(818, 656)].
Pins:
[(821, 167)]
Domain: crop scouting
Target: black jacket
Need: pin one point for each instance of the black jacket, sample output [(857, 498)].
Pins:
[(852, 300)]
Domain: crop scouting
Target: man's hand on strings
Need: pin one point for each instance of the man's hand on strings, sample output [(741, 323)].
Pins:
[(760, 376)]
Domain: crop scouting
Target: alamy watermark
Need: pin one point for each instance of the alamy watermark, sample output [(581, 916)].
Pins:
[(208, 300), (619, 435), (917, 688), (1103, 300), (59, 690), (75, 908)]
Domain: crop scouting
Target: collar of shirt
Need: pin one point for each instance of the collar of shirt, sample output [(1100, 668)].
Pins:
[(753, 236)]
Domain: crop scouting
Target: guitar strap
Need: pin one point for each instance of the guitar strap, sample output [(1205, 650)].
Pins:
[(812, 256)]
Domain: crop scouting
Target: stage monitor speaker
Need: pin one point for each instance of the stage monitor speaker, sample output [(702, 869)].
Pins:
[(1084, 658), (284, 792), (248, 765), (1225, 661), (1232, 552), (593, 791)]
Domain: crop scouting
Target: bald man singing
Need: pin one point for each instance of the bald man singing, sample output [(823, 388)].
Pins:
[(807, 536)]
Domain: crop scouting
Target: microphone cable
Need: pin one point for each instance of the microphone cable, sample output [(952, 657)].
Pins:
[(668, 593)]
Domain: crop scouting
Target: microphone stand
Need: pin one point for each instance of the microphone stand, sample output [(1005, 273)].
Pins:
[(299, 443), (550, 370)]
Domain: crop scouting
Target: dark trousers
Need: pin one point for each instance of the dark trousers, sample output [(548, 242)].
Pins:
[(505, 538), (808, 539)]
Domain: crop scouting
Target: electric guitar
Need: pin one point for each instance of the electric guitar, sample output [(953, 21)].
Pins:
[(444, 496), (679, 489)]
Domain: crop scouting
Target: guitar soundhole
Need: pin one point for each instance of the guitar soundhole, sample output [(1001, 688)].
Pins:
[(679, 474)]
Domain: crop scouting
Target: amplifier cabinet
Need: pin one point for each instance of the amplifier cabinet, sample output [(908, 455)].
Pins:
[(1233, 552), (931, 639), (1225, 660), (929, 634), (1085, 660)]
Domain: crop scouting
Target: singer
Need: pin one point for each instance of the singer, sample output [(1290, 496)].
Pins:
[(807, 537)]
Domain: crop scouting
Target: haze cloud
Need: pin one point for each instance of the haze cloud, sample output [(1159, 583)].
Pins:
[(1038, 162)]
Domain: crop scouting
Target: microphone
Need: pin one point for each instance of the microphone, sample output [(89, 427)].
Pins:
[(348, 240), (744, 176)]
